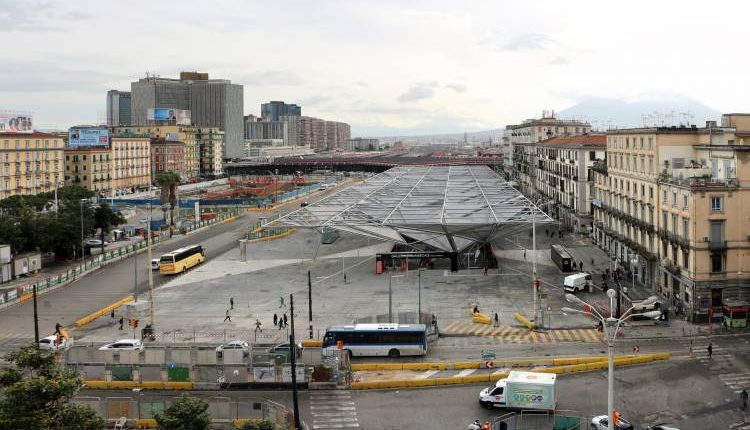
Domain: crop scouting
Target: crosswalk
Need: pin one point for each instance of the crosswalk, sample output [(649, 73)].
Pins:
[(517, 335), (333, 410), (722, 363)]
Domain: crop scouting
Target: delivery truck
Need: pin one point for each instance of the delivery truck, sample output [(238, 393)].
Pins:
[(522, 391)]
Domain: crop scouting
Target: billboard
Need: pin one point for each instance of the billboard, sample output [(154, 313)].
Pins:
[(88, 136), (170, 115), (11, 122)]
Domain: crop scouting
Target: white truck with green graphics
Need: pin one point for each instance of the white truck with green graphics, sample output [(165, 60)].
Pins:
[(523, 391)]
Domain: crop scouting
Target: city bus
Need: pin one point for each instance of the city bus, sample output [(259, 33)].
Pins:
[(392, 340), (561, 257), (181, 259)]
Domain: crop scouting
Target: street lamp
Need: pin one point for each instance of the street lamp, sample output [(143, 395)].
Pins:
[(390, 296), (611, 326), (83, 202)]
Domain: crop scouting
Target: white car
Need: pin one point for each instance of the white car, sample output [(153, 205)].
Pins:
[(601, 422), (662, 427), (94, 242), (154, 264), (234, 345), (49, 343), (123, 345)]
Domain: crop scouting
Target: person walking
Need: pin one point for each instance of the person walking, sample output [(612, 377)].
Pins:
[(122, 320), (231, 303), (580, 265), (258, 327), (285, 321), (228, 317), (524, 254), (345, 277), (112, 317), (497, 320), (58, 326), (281, 301), (275, 320), (485, 270), (710, 349), (743, 396)]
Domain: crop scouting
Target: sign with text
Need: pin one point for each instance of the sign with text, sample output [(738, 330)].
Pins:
[(88, 136), (169, 115), (16, 123)]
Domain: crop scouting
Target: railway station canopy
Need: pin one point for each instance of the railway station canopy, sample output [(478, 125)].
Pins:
[(449, 208)]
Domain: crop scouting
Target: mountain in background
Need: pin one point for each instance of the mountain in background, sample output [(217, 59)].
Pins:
[(604, 113), (471, 137)]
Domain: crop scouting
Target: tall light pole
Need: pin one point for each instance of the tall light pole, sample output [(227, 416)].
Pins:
[(533, 259), (611, 326), (150, 269), (82, 201)]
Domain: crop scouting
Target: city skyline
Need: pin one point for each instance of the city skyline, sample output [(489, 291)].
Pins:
[(385, 68)]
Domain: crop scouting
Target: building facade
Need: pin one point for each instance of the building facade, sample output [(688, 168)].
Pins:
[(258, 128), (131, 159), (520, 140), (30, 163), (211, 143), (118, 108), (167, 156), (186, 134), (363, 144), (564, 177), (274, 110), (90, 168)]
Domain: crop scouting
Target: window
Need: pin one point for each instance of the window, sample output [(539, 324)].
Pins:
[(664, 196), (686, 228), (650, 192), (717, 204), (716, 231), (674, 198), (674, 224), (685, 201), (717, 263), (664, 219), (686, 259)]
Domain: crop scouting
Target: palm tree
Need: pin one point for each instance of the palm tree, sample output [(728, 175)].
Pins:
[(168, 182)]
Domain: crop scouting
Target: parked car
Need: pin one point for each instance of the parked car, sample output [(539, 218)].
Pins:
[(303, 204), (234, 345), (601, 422), (49, 343), (94, 242), (123, 345), (283, 348), (662, 427), (154, 264)]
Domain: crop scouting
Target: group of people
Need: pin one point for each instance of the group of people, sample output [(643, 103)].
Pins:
[(280, 321)]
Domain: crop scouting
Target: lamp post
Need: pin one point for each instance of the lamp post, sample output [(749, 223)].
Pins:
[(390, 296), (611, 326), (83, 202)]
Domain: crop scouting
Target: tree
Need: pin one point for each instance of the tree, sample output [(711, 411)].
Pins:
[(187, 413), (168, 182), (258, 424), (36, 394), (105, 219)]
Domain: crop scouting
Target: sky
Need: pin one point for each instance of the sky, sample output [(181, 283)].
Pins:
[(385, 67)]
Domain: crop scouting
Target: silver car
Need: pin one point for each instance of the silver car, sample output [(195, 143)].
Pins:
[(234, 345)]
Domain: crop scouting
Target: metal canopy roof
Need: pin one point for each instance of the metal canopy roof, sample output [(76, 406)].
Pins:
[(447, 207)]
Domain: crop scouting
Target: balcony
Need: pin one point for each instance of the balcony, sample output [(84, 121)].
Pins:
[(717, 245)]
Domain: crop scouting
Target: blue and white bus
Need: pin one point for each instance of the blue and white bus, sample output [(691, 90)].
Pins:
[(392, 340)]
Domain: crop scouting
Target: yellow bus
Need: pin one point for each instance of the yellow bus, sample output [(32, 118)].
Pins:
[(181, 259)]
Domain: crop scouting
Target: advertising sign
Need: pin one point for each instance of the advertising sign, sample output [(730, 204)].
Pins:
[(264, 374), (88, 136), (16, 123), (170, 115)]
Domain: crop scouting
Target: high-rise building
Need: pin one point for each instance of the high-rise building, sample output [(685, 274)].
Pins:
[(318, 134), (273, 111), (118, 107), (30, 163), (212, 102), (211, 142), (258, 128)]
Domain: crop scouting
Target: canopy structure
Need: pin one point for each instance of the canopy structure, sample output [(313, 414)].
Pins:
[(447, 207)]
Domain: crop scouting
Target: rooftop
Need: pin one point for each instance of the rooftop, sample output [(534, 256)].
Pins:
[(36, 135), (582, 140)]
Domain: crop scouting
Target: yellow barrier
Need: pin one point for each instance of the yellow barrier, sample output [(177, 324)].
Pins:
[(399, 366), (467, 365), (145, 423), (525, 321), (479, 317), (96, 384), (123, 385), (101, 312), (473, 379), (312, 343), (150, 385)]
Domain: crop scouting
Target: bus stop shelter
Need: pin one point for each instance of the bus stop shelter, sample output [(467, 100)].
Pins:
[(448, 208)]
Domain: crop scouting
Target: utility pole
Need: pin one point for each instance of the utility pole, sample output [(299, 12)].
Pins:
[(293, 355), (533, 258), (419, 295), (36, 321), (135, 272), (150, 269), (309, 303)]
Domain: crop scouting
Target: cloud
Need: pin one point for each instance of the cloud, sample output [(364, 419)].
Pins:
[(527, 42), (268, 77), (418, 91), (34, 76), (36, 16), (459, 88)]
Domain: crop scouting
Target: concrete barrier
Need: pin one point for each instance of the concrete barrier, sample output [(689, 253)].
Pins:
[(312, 343), (525, 321), (101, 312)]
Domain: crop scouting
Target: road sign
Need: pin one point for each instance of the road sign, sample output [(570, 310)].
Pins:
[(488, 355)]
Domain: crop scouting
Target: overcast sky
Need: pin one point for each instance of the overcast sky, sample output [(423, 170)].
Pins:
[(386, 67)]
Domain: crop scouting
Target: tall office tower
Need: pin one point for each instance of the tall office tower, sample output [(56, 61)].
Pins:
[(118, 107), (274, 110)]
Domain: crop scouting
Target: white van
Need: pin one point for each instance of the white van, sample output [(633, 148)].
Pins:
[(576, 282)]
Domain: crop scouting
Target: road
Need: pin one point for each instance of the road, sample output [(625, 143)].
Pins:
[(110, 284)]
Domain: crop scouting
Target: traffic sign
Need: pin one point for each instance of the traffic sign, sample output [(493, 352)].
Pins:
[(488, 355)]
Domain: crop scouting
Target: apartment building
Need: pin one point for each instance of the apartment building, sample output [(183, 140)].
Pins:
[(30, 163), (131, 159), (211, 142), (90, 168), (520, 141), (670, 205), (564, 177), (167, 156), (187, 134)]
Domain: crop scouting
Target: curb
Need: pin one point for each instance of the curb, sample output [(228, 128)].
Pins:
[(601, 363)]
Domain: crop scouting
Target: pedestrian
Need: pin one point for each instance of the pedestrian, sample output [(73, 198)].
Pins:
[(592, 261), (257, 326), (636, 349), (497, 318), (574, 266), (122, 320), (580, 266), (228, 317), (275, 320), (112, 317), (231, 303), (476, 309), (743, 396), (345, 277), (710, 349), (546, 232), (57, 328), (285, 321), (485, 270), (281, 301), (524, 254)]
